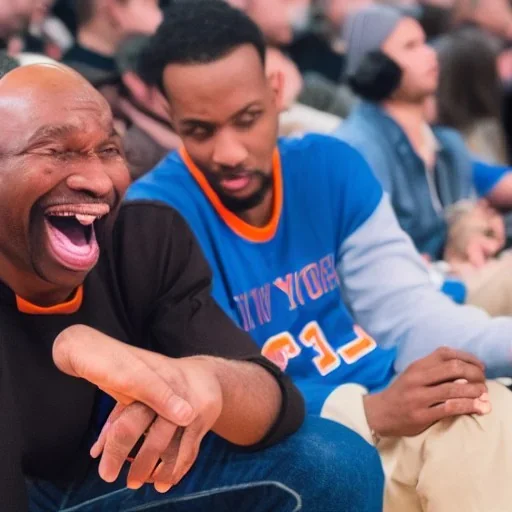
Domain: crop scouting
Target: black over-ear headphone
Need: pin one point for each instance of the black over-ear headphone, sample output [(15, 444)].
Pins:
[(376, 78)]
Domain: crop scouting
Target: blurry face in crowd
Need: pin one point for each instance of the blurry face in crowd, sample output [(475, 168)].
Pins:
[(226, 115), (407, 47), (15, 15), (276, 18), (62, 174), (136, 16)]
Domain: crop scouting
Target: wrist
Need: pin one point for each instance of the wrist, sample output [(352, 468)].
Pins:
[(372, 409)]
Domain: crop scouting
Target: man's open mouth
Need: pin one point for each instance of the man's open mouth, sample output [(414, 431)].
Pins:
[(71, 234)]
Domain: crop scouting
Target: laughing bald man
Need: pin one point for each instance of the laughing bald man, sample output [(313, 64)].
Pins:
[(97, 297)]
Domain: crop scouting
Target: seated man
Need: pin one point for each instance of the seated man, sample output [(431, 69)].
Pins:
[(68, 257), (102, 27), (291, 229), (424, 171)]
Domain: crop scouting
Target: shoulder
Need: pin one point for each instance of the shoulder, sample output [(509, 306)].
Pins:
[(333, 174), (320, 149), (169, 182)]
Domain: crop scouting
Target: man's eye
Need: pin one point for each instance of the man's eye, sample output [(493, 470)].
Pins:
[(199, 132), (111, 151), (248, 119)]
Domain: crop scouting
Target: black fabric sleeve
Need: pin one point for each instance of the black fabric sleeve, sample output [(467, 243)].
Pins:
[(13, 497), (184, 319)]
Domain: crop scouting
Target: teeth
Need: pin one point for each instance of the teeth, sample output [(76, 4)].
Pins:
[(85, 220)]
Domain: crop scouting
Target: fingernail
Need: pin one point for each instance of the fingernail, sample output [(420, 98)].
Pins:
[(106, 473), (181, 409), (162, 488), (134, 485), (485, 397), (95, 451), (482, 407)]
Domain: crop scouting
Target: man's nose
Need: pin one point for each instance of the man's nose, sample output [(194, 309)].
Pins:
[(92, 179), (228, 151)]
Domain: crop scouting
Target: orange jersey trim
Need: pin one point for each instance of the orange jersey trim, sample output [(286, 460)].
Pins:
[(66, 308), (241, 228)]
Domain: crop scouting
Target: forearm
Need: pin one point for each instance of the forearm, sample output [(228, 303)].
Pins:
[(258, 408), (387, 286)]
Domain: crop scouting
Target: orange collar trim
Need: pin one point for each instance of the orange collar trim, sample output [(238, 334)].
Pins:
[(66, 308), (241, 228)]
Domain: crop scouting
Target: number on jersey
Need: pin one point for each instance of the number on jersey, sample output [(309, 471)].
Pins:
[(283, 347)]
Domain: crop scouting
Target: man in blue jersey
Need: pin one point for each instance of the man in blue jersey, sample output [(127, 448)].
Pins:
[(307, 255)]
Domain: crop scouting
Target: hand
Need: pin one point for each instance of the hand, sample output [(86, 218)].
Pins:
[(447, 383), (176, 448), (475, 236), (166, 386), (126, 373)]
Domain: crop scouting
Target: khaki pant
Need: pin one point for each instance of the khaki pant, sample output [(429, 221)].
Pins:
[(462, 464), (490, 287)]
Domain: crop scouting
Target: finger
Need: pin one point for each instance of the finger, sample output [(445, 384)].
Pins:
[(454, 390), (98, 446), (122, 436), (450, 371), (164, 473), (157, 440), (447, 354), (84, 352), (460, 407), (476, 254), (188, 452)]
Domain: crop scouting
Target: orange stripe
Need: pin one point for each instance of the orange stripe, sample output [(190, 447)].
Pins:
[(241, 228), (358, 347), (66, 308)]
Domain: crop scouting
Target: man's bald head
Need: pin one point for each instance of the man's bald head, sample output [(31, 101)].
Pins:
[(45, 78), (58, 147), (41, 94)]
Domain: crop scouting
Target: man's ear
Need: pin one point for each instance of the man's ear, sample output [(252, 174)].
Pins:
[(158, 98), (276, 83), (136, 86)]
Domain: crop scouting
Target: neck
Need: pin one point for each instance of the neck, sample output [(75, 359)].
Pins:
[(98, 38), (411, 118), (260, 215), (31, 287)]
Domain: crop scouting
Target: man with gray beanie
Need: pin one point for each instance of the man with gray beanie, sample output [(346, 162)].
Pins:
[(427, 172)]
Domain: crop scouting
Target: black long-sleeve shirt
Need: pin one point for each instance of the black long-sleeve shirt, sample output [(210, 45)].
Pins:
[(151, 288)]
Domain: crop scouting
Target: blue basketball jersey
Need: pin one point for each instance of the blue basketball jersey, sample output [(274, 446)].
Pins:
[(280, 282)]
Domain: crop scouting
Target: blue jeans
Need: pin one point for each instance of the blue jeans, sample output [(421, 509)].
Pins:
[(322, 468)]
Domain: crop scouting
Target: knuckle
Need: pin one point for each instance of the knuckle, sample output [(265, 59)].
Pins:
[(446, 352), (123, 433), (456, 367), (453, 407)]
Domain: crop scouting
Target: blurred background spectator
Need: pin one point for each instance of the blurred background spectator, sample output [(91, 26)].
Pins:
[(470, 93), (101, 27)]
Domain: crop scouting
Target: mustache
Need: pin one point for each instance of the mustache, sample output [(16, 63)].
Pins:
[(80, 198), (237, 172)]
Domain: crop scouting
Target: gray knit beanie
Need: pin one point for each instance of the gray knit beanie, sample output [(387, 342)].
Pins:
[(365, 30)]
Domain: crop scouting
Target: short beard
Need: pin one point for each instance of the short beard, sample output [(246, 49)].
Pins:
[(238, 205)]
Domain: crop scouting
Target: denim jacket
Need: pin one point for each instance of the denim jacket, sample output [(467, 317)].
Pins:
[(419, 197)]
